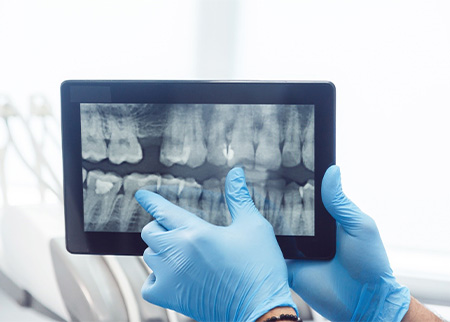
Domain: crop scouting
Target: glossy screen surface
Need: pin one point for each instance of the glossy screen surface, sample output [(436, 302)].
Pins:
[(184, 151)]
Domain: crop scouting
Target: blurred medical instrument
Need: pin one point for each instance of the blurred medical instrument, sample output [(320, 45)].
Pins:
[(15, 123)]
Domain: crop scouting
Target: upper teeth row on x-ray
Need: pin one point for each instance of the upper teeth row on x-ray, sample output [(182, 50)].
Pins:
[(265, 137), (262, 138)]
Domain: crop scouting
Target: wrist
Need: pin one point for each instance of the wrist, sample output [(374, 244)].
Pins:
[(418, 312), (277, 311), (386, 300)]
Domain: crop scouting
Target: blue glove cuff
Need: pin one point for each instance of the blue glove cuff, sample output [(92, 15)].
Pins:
[(383, 301)]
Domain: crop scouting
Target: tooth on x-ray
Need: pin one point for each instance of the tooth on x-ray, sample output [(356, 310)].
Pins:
[(100, 199), (258, 193), (93, 145), (210, 199), (122, 133), (170, 187), (241, 145), (272, 206), (195, 137), (213, 204), (133, 217), (268, 155), (293, 206), (173, 148), (308, 144), (218, 132), (307, 220), (291, 154), (189, 196), (102, 122), (183, 140)]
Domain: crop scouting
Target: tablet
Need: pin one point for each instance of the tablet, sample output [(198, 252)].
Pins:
[(180, 139)]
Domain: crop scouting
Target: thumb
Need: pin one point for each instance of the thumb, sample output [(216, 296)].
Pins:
[(238, 198), (338, 205)]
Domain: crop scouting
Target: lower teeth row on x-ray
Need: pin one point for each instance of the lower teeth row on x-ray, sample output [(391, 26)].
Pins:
[(110, 204), (183, 152)]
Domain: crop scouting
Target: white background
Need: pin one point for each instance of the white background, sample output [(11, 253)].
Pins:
[(390, 62)]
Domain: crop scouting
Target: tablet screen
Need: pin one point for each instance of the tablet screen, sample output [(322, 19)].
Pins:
[(184, 152)]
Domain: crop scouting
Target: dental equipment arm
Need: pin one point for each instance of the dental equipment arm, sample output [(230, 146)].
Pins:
[(8, 112), (358, 284), (214, 273)]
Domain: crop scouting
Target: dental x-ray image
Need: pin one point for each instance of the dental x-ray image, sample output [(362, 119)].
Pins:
[(184, 151)]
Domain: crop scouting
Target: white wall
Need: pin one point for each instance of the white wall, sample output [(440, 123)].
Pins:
[(390, 62)]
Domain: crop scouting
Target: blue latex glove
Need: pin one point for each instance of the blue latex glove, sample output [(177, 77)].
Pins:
[(357, 285), (214, 273)]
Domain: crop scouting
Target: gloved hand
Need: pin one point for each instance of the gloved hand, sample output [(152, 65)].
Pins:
[(214, 273), (357, 285)]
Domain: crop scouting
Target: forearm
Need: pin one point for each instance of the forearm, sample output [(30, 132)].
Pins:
[(277, 312), (418, 312)]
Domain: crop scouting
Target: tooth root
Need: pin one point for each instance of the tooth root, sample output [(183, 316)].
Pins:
[(268, 155), (136, 216), (217, 135), (293, 208), (91, 215), (225, 213), (241, 149), (208, 199), (136, 222), (308, 213), (212, 203), (133, 216), (258, 193), (100, 198), (291, 154), (173, 148), (308, 144), (273, 204), (189, 196), (195, 141), (115, 219), (169, 188), (93, 145)]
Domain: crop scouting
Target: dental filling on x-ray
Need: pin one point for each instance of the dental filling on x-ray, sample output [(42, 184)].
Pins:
[(184, 152)]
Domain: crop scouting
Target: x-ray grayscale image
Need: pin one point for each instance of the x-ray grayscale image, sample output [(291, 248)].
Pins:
[(184, 152)]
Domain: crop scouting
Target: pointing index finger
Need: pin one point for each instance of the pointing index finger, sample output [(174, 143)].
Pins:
[(167, 214)]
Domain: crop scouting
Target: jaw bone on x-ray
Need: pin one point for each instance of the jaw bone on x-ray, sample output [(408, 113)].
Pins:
[(184, 151)]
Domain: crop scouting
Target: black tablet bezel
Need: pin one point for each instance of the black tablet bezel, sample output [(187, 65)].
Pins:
[(321, 94)]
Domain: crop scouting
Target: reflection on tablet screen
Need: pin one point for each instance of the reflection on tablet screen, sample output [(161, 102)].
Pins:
[(184, 152)]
